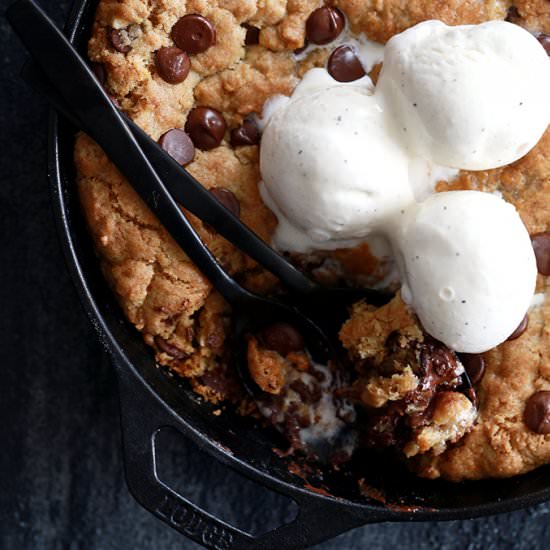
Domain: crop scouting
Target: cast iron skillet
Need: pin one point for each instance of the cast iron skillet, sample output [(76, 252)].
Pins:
[(151, 400)]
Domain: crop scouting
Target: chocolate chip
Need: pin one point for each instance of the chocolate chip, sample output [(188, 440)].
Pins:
[(541, 246), (319, 375), (228, 199), (247, 134), (344, 65), (291, 430), (419, 399), (310, 393), (206, 127), (544, 39), (178, 145), (224, 382), (418, 419), (194, 34), (282, 338), (382, 427), (537, 412), (252, 35), (474, 365), (99, 70), (115, 101), (513, 15), (170, 349), (298, 51), (172, 64), (438, 363), (522, 327), (324, 25), (120, 40), (303, 420)]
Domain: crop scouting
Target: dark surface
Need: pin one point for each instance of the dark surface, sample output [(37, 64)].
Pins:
[(61, 478)]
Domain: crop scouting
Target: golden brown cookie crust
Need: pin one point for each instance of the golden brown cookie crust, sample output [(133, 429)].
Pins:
[(501, 445), (165, 296)]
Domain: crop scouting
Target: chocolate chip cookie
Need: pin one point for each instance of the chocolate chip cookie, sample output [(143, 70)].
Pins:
[(192, 75)]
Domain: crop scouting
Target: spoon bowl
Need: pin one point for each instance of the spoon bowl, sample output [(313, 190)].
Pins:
[(253, 315), (260, 316)]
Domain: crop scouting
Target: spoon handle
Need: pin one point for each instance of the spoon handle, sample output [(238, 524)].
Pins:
[(98, 116), (183, 187)]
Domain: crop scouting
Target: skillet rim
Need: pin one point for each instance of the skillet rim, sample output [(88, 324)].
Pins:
[(370, 513)]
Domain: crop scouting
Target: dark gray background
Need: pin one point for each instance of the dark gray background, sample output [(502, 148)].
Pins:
[(61, 478)]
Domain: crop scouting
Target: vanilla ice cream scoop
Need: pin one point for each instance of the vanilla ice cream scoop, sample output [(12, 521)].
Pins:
[(468, 268), (342, 162), (330, 168), (473, 97)]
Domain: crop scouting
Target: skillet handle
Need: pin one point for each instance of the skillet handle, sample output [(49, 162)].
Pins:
[(142, 415)]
